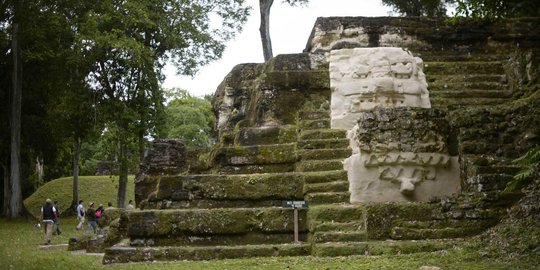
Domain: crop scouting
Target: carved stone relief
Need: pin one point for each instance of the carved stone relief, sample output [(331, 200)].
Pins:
[(399, 144), (363, 79)]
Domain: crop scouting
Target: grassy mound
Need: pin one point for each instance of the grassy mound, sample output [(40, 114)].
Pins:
[(97, 189)]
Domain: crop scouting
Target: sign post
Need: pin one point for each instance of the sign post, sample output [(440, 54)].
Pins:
[(295, 205)]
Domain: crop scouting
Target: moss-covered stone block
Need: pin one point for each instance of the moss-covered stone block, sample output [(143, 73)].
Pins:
[(381, 217), (338, 186), (314, 124), (257, 154), (325, 225), (239, 187), (335, 213), (266, 135), (338, 236), (132, 254), (78, 243), (202, 222), (406, 247), (324, 144), (319, 165), (339, 249), (257, 168), (109, 215), (318, 134), (327, 197), (311, 154), (217, 240), (324, 176)]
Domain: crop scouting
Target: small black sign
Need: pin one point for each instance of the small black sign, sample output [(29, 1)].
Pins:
[(295, 204)]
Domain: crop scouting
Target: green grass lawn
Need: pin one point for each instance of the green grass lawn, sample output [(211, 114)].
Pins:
[(19, 242), (97, 189)]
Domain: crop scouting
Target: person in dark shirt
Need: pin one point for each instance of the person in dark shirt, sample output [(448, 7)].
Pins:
[(91, 217), (48, 213)]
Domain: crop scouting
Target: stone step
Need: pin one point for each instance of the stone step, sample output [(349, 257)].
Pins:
[(457, 102), (488, 182), (403, 233), (323, 144), (257, 168), (472, 67), (324, 176), (324, 226), (473, 93), (331, 214), (466, 78), (256, 154), (317, 154), (327, 197), (505, 169), (314, 124), (333, 249), (337, 236), (182, 223), (439, 56), (218, 239), (465, 86), (266, 135), (264, 186), (319, 165), (313, 115), (336, 186), (322, 134), (176, 253)]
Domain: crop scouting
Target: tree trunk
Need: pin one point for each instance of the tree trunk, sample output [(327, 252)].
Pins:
[(264, 29), (142, 144), (76, 157), (7, 190), (15, 205), (122, 185)]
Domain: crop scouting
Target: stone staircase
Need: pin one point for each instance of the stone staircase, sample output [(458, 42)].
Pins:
[(454, 84), (321, 152)]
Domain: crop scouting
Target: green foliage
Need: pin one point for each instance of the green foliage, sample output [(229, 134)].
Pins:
[(97, 189), (189, 118), (430, 8), (530, 166), (498, 9)]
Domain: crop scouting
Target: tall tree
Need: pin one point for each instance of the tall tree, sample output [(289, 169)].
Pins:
[(189, 118), (264, 29), (498, 9), (15, 203), (130, 41), (429, 8)]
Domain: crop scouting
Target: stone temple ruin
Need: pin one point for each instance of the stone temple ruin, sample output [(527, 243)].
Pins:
[(397, 132)]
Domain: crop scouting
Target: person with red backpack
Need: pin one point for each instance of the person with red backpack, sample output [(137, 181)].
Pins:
[(99, 213)]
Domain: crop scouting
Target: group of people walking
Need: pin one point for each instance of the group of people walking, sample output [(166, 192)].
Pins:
[(91, 215), (51, 217)]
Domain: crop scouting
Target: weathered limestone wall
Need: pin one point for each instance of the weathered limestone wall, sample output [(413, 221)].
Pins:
[(166, 157), (268, 95), (401, 154), (430, 38)]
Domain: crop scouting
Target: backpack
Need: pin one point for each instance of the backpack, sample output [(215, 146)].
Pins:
[(98, 214)]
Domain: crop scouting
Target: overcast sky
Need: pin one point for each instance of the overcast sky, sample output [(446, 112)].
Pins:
[(290, 28)]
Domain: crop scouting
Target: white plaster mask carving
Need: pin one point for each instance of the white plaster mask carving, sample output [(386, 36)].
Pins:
[(366, 78)]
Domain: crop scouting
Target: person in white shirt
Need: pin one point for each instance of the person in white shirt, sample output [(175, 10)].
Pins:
[(80, 215), (130, 205)]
